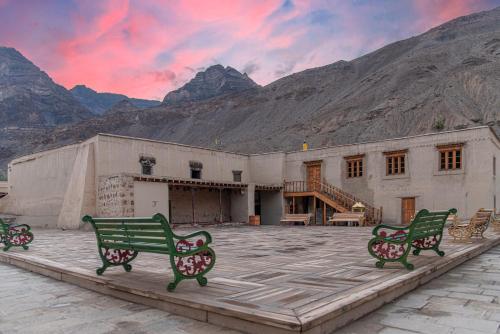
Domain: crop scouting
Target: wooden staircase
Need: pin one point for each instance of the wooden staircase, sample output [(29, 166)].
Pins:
[(333, 196)]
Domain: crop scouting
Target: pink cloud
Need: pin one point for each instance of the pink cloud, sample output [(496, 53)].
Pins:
[(435, 12), (147, 48)]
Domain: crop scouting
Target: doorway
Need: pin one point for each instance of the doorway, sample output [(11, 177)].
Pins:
[(313, 175), (407, 210)]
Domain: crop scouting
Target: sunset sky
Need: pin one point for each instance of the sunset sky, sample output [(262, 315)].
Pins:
[(145, 48)]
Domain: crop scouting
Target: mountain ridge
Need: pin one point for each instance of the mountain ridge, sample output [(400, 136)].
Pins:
[(100, 102), (446, 78), (212, 82)]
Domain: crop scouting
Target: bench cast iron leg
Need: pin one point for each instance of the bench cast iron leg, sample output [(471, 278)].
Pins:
[(202, 281), (101, 270), (407, 264), (172, 285)]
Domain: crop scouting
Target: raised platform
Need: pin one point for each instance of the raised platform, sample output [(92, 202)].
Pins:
[(266, 279)]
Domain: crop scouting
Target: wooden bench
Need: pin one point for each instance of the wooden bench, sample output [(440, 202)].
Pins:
[(495, 222), (119, 240), (15, 235), (292, 218), (393, 244), (476, 227), (347, 217)]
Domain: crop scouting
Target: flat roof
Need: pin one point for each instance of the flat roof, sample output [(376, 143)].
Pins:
[(21, 158)]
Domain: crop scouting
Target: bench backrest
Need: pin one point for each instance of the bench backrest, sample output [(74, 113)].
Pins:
[(4, 227), (481, 217), (427, 224), (297, 215), (134, 233)]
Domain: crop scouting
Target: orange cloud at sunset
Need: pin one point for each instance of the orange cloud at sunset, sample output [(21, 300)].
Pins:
[(149, 47)]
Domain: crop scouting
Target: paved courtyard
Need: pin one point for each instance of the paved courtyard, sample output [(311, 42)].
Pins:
[(36, 304), (266, 279), (464, 301)]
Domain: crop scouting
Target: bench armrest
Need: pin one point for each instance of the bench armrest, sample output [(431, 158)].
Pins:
[(192, 243), (208, 237), (376, 232), (18, 228)]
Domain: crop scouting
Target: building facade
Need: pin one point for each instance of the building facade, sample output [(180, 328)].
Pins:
[(110, 175)]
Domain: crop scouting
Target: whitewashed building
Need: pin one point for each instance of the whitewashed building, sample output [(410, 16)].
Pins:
[(110, 175)]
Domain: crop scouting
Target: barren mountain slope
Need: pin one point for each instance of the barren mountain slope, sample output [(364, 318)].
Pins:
[(446, 78)]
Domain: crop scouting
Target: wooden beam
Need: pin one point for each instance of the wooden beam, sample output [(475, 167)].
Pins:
[(293, 205)]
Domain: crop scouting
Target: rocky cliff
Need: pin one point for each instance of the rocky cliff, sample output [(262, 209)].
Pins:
[(214, 81), (29, 98)]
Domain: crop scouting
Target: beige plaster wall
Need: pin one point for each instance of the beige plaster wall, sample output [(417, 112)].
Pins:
[(468, 189), (4, 187), (39, 184), (267, 168), (150, 198), (121, 155)]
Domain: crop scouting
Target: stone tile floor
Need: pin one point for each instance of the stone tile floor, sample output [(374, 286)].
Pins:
[(288, 274), (465, 300), (31, 303)]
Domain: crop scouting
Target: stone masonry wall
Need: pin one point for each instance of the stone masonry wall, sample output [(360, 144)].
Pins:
[(115, 196)]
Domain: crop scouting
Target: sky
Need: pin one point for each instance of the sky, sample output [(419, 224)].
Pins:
[(146, 48)]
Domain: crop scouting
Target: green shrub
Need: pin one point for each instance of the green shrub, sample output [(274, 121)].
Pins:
[(439, 123)]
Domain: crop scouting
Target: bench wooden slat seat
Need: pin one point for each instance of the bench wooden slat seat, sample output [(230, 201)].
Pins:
[(119, 240), (476, 227), (15, 235), (393, 244), (292, 218), (347, 217), (495, 222)]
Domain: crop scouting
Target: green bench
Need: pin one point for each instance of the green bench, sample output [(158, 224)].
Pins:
[(393, 244), (119, 240), (15, 235)]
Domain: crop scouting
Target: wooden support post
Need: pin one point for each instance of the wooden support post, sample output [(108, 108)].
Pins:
[(324, 213), (220, 205), (192, 203), (314, 208), (293, 204)]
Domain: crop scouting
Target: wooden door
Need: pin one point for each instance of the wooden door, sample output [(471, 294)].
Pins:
[(407, 210), (313, 176)]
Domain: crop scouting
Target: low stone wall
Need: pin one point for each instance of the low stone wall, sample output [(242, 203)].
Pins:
[(115, 196)]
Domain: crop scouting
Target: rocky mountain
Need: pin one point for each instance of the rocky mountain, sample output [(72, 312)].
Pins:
[(447, 78), (124, 106), (29, 97), (214, 81), (99, 103)]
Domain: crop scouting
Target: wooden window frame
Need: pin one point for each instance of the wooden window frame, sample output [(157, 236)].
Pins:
[(450, 157), (395, 162), (237, 175), (354, 166)]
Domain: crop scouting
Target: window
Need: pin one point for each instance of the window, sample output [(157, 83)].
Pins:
[(354, 165), (450, 157), (195, 174), (147, 164), (395, 162), (196, 168), (237, 175)]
